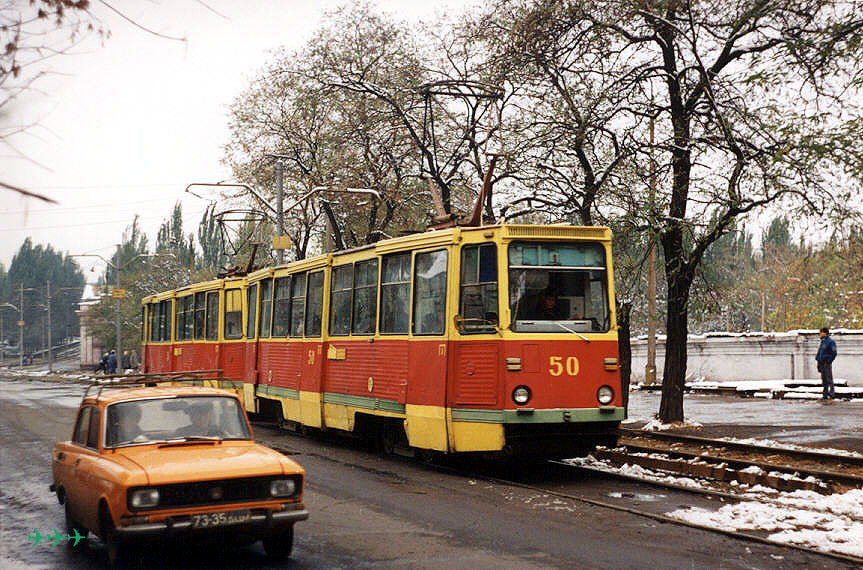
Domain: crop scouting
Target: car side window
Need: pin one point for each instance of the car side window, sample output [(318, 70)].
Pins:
[(80, 434), (93, 434)]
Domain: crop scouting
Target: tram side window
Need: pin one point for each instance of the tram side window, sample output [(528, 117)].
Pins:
[(233, 313), (298, 304), (395, 294), (340, 301), (252, 304), (282, 307), (200, 315), (365, 303), (153, 331), (478, 298), (429, 308), (266, 306), (315, 308), (165, 320), (144, 323), (178, 319), (185, 317), (213, 315)]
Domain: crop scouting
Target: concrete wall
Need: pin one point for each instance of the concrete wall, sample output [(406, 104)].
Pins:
[(728, 357)]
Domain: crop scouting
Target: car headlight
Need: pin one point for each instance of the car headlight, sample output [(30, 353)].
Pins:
[(521, 395), (605, 395), (283, 487), (144, 498)]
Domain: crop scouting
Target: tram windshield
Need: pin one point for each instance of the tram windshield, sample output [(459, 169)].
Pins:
[(556, 287)]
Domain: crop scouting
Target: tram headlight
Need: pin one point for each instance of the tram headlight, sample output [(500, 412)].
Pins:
[(605, 395), (521, 395)]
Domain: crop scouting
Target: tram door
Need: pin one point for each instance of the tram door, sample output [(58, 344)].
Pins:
[(250, 358), (311, 363), (232, 348), (426, 425)]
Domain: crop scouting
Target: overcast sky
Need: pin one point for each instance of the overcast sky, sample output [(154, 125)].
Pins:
[(125, 125)]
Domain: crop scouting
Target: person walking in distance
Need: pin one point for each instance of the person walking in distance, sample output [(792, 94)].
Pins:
[(112, 362), (825, 357)]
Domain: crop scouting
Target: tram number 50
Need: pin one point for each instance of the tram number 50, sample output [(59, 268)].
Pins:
[(557, 365)]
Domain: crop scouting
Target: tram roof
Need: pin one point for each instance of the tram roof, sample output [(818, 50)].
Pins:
[(503, 232)]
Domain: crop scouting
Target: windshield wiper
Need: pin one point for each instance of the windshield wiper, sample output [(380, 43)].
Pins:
[(567, 329)]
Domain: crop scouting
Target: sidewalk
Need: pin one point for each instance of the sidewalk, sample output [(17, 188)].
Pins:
[(811, 422)]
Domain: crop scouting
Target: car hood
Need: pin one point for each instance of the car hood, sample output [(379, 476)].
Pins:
[(206, 461)]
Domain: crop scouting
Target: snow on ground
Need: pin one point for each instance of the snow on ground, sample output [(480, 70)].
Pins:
[(657, 425), (831, 523)]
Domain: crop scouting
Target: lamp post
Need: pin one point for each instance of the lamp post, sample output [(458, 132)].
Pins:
[(118, 293)]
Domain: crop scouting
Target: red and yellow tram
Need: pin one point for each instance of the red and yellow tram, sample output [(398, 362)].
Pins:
[(496, 339)]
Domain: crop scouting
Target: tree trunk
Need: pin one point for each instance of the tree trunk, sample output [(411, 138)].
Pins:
[(624, 352), (677, 330)]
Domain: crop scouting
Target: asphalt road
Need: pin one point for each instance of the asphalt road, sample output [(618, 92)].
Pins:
[(368, 511)]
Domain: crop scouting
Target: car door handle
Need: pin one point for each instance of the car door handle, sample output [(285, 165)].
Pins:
[(77, 461), (61, 456)]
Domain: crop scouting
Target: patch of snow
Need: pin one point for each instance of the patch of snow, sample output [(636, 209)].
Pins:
[(832, 523), (658, 425)]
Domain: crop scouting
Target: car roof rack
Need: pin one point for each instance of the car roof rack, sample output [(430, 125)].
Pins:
[(94, 390)]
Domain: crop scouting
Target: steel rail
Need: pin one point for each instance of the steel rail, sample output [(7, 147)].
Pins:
[(802, 453)]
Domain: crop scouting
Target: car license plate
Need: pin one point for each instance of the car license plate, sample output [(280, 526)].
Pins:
[(209, 520)]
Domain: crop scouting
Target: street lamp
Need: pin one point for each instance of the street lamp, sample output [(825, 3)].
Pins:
[(118, 292)]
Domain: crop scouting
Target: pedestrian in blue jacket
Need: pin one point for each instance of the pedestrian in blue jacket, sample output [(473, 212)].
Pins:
[(112, 362), (825, 357)]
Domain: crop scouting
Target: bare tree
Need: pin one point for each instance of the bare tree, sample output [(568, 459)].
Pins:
[(755, 104), (428, 90), (31, 34)]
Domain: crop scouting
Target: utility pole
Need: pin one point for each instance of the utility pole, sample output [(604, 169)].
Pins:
[(280, 214), (21, 327), (50, 344), (650, 367), (117, 309)]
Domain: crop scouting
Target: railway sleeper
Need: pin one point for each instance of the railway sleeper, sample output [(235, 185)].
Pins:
[(708, 471)]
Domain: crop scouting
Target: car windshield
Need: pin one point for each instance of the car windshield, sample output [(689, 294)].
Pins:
[(155, 420), (556, 287)]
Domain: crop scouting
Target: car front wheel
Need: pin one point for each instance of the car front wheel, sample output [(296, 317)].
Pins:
[(280, 545)]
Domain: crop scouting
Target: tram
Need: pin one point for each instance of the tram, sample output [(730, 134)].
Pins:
[(495, 339)]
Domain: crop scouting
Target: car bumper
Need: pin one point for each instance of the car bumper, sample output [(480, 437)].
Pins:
[(257, 523)]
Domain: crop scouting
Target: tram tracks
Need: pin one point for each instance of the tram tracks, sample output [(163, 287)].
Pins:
[(731, 463), (736, 473)]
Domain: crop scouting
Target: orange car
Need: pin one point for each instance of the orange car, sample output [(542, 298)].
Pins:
[(174, 462)]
